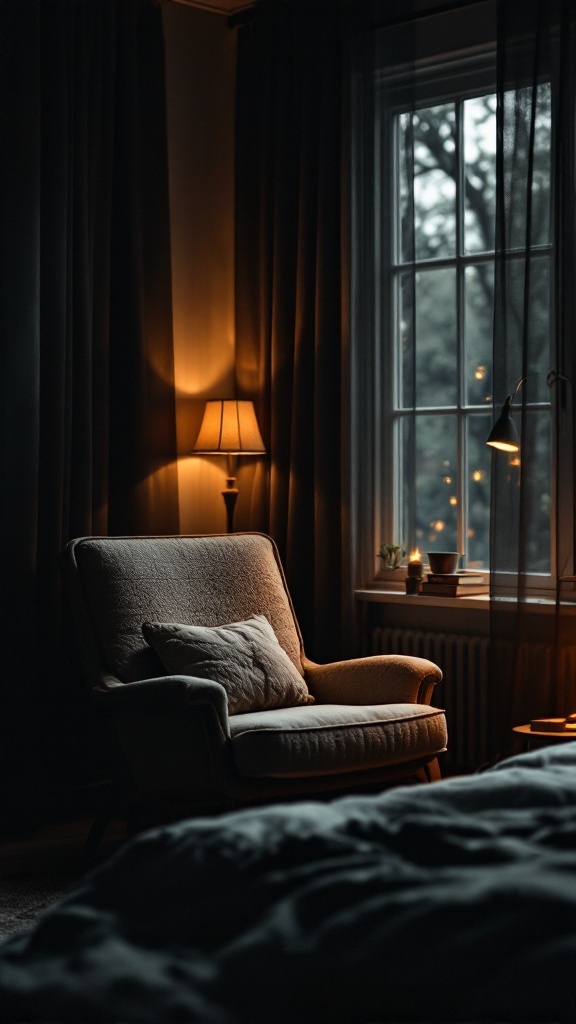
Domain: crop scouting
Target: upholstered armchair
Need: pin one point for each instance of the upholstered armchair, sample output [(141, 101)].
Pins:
[(191, 648)]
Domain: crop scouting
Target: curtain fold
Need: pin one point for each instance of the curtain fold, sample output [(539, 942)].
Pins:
[(532, 509), (289, 295), (87, 439)]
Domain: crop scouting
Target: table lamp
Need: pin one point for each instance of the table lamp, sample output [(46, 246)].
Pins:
[(229, 428)]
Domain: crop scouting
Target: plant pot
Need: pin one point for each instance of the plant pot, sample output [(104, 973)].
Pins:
[(443, 562)]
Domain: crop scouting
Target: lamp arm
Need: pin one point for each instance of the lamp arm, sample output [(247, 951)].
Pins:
[(517, 388)]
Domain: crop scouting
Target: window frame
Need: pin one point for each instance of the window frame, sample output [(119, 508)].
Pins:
[(454, 78)]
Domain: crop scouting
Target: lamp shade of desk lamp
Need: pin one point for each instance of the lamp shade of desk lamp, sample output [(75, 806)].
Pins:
[(229, 428), (504, 435)]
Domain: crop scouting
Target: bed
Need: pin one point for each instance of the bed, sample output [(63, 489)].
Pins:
[(448, 902)]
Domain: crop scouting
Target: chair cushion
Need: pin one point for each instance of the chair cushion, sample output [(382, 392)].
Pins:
[(245, 657), (333, 738)]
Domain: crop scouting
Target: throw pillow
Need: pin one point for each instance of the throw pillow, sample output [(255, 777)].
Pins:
[(245, 657)]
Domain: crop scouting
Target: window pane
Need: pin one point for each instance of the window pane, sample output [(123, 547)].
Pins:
[(478, 492), (536, 314), (427, 163), (430, 482), (479, 303), (429, 360), (520, 160), (480, 173)]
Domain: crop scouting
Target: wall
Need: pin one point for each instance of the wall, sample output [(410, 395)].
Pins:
[(200, 79)]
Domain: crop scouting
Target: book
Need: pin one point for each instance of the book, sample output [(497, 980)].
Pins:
[(454, 589), (464, 578), (548, 724)]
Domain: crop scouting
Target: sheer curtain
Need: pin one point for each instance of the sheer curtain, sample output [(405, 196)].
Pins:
[(533, 672), (422, 55), (290, 296), (87, 433)]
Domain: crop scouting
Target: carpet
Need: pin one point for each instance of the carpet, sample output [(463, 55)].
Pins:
[(23, 901), (40, 868)]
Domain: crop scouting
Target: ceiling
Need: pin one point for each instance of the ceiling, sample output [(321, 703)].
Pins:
[(219, 6)]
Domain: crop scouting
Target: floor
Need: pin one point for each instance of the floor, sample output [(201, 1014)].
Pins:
[(39, 868)]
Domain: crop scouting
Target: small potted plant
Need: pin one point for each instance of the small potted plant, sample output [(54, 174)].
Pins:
[(391, 555)]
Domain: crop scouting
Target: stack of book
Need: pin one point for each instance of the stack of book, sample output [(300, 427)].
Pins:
[(548, 725), (455, 584), (567, 725)]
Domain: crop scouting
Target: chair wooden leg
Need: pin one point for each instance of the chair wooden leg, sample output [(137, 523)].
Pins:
[(103, 816), (432, 770)]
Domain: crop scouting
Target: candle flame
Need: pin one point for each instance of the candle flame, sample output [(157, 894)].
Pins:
[(416, 556)]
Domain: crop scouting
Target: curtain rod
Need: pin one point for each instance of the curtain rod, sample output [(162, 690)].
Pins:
[(406, 18), (246, 9), (213, 8)]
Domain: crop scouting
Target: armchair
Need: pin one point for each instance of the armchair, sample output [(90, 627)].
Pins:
[(181, 741)]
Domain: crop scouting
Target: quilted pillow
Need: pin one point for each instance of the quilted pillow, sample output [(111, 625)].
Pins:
[(245, 657)]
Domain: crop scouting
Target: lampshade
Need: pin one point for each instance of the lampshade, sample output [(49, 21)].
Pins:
[(504, 435), (229, 427)]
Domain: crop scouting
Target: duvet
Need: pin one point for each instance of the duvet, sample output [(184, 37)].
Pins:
[(449, 902)]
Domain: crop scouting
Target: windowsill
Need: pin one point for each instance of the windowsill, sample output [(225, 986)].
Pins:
[(479, 602), (381, 596)]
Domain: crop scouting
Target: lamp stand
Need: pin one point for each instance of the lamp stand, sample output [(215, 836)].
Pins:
[(230, 493)]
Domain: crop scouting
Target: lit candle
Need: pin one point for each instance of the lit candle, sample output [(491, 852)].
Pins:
[(415, 565)]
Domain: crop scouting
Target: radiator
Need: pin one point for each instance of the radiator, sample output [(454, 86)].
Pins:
[(463, 692)]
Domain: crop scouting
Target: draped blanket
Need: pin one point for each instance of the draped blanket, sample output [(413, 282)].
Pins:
[(449, 902)]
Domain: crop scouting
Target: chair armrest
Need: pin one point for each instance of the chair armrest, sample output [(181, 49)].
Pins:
[(380, 679), (162, 694), (172, 732)]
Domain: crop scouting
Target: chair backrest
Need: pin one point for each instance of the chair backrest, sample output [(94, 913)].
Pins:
[(114, 584)]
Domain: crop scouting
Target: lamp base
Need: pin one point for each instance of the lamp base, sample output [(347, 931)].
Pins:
[(230, 495)]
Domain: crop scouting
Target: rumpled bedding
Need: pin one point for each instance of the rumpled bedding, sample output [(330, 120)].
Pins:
[(449, 902)]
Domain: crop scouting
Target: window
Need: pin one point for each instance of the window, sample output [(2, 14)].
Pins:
[(442, 283), (425, 380)]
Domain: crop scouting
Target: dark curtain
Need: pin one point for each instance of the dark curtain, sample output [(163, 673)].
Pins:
[(533, 648), (289, 295), (87, 433)]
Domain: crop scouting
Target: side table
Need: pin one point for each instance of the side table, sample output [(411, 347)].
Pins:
[(530, 739)]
